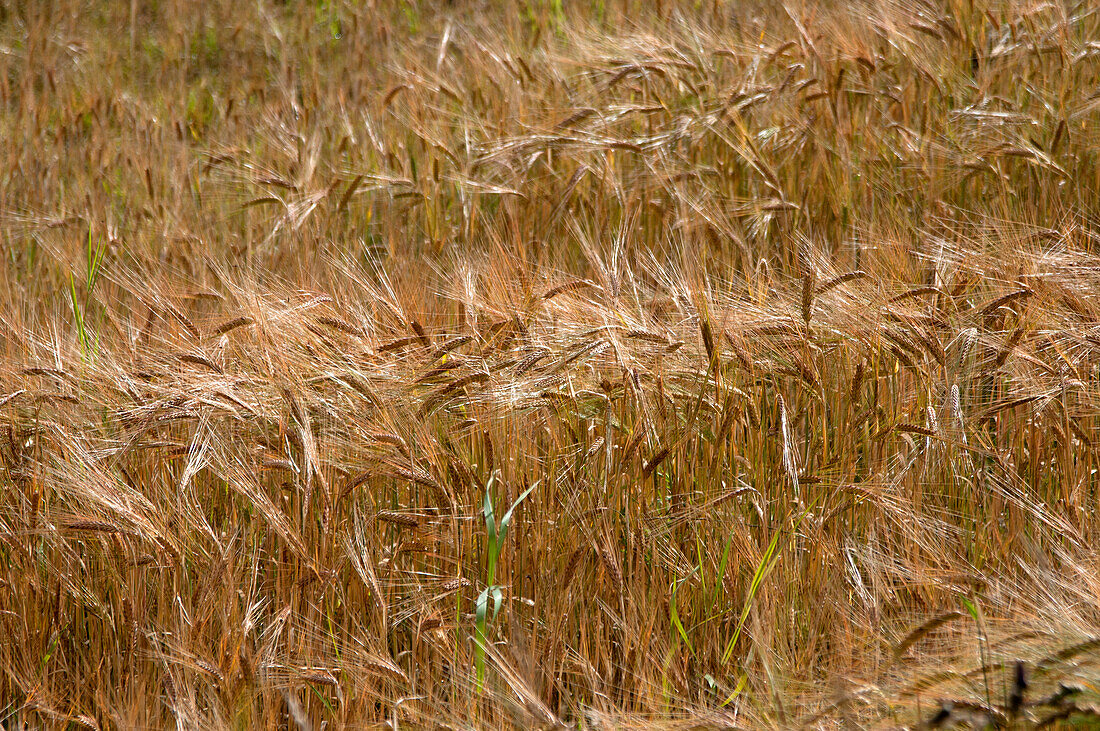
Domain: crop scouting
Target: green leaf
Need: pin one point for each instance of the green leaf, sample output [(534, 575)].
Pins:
[(674, 615), (721, 570), (49, 652), (741, 682), (767, 563), (480, 637), (77, 315), (95, 258), (487, 511), (507, 519), (969, 606)]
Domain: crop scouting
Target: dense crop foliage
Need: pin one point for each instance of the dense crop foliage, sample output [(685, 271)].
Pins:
[(600, 363)]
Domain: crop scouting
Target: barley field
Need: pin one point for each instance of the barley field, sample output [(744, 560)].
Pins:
[(591, 364)]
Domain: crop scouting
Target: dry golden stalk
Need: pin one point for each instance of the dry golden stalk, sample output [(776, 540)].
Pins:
[(210, 669), (613, 571), (568, 287), (968, 338), (933, 421), (340, 326), (923, 630), (933, 346), (1006, 351), (916, 292), (647, 336), (857, 382), (449, 345), (742, 357), (592, 450), (183, 320), (200, 360), (392, 94), (1006, 299), (631, 447), (838, 281), (576, 117), (319, 676), (571, 568), (91, 525), (405, 519), (354, 482), (433, 373), (459, 383), (399, 344), (789, 460), (429, 624), (655, 461), (423, 336), (915, 429), (728, 412), (392, 439), (1068, 653), (454, 584), (383, 666), (708, 339), (807, 297), (233, 324)]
